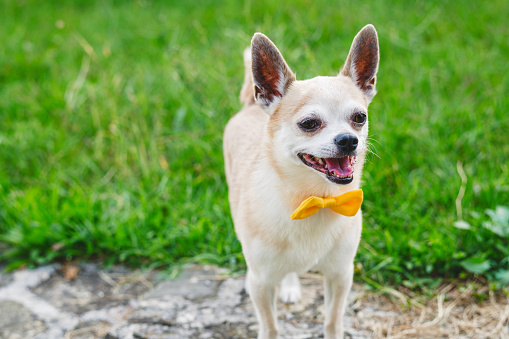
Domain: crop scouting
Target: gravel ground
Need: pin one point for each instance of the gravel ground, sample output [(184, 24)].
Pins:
[(88, 301)]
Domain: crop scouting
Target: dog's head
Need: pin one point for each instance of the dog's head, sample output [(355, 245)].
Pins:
[(320, 124)]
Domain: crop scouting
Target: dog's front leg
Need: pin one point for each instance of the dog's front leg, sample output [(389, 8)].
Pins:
[(337, 286), (262, 294)]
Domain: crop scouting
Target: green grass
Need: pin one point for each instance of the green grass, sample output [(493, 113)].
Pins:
[(112, 112)]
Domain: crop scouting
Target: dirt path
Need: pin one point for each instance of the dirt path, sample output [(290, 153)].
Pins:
[(91, 302)]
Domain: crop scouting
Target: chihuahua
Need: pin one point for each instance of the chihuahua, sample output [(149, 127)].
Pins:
[(296, 139)]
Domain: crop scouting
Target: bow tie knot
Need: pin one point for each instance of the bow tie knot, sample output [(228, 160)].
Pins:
[(347, 204), (329, 202)]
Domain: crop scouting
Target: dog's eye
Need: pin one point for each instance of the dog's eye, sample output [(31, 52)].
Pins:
[(359, 118), (310, 125)]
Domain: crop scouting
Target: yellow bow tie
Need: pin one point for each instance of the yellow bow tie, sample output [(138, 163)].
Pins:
[(346, 204)]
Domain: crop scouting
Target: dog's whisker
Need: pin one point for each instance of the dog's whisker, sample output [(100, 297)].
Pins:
[(371, 149), (376, 155), (373, 139)]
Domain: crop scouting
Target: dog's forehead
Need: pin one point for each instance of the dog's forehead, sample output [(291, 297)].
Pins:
[(329, 92)]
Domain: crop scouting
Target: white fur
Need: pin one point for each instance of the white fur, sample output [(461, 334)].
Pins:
[(289, 292)]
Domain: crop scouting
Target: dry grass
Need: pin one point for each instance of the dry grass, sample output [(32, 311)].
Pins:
[(457, 310)]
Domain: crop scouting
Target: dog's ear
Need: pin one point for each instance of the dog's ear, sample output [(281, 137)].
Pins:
[(271, 74), (362, 62)]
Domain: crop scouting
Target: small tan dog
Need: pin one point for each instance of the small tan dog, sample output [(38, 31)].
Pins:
[(293, 140)]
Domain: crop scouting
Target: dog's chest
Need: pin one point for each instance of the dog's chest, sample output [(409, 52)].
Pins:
[(299, 245)]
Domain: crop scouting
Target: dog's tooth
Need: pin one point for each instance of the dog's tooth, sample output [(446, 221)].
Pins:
[(320, 161)]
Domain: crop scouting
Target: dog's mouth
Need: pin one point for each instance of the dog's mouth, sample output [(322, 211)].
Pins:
[(337, 170)]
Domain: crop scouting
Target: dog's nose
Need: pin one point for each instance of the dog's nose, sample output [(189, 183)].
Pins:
[(346, 142)]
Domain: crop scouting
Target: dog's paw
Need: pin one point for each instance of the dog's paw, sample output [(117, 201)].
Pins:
[(289, 294)]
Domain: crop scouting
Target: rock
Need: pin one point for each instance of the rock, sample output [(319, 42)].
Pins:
[(118, 303), (190, 284), (93, 289), (17, 322)]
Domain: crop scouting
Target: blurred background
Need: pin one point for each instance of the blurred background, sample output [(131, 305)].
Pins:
[(112, 114)]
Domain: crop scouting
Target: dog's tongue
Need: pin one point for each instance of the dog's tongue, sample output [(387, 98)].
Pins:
[(341, 166)]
